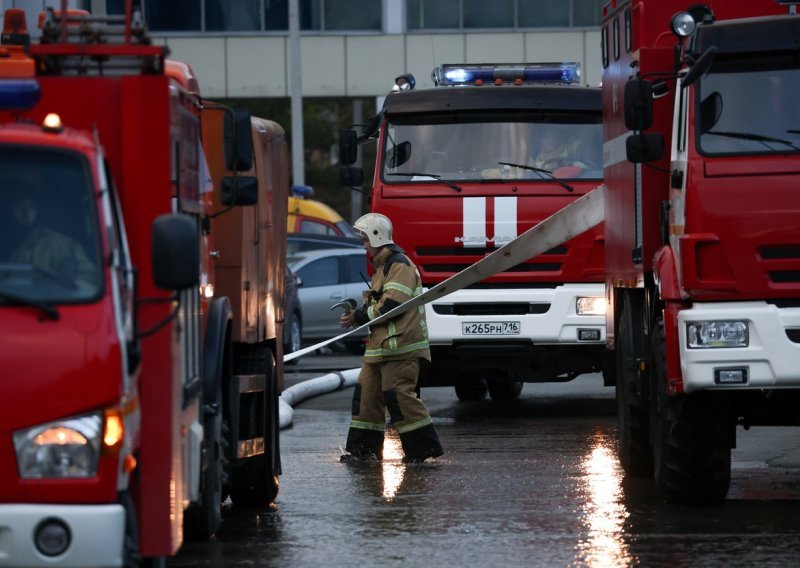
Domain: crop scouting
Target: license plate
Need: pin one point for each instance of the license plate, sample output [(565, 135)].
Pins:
[(490, 328)]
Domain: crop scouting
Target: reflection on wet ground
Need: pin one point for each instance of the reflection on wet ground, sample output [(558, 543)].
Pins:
[(533, 482)]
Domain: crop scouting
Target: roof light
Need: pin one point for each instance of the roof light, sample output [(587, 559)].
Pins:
[(405, 82), (18, 94), (15, 29), (302, 191), (682, 24), (517, 73), (52, 123)]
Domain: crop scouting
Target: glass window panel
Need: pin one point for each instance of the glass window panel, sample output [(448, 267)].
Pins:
[(353, 14), (115, 7), (356, 266), (432, 14), (173, 15), (543, 13), (483, 14), (586, 12), (310, 14), (276, 14), (222, 15), (322, 272)]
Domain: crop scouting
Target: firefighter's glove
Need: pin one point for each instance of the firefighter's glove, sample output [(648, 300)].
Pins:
[(360, 315)]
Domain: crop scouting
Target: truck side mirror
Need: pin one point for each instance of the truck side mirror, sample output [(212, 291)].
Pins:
[(399, 155), (348, 146), (351, 177), (638, 104), (175, 252), (238, 141), (239, 190), (700, 66), (643, 148)]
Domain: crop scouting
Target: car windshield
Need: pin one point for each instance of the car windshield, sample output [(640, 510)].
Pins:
[(49, 243), (486, 146), (749, 106)]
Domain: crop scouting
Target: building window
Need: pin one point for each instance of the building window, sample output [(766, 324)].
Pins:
[(475, 14), (437, 14), (257, 15), (482, 14)]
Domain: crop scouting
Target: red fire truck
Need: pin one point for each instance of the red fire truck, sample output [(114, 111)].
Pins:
[(462, 169), (135, 397), (702, 166)]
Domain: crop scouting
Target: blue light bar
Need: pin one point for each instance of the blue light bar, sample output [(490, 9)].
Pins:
[(520, 73), (302, 191), (19, 94)]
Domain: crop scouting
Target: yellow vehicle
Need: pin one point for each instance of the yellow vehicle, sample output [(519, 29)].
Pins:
[(310, 216)]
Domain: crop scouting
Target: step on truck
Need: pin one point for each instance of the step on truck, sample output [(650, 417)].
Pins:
[(464, 168), (702, 165), (136, 398)]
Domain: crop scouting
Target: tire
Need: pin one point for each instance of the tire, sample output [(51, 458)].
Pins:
[(633, 435), (257, 479), (202, 521), (693, 436), (503, 389), (130, 552), (471, 388)]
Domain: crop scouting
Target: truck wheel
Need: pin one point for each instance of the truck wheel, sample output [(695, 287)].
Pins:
[(130, 552), (692, 439), (471, 388), (632, 419), (504, 389), (257, 479), (202, 521)]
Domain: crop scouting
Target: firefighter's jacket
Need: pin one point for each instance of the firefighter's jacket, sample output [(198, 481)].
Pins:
[(394, 281)]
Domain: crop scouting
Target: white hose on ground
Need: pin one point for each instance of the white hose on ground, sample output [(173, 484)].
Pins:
[(313, 387)]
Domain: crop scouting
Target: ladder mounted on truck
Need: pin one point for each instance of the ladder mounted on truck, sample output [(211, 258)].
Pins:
[(75, 43)]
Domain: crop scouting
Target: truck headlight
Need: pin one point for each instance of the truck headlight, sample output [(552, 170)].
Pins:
[(591, 306), (68, 448), (715, 334)]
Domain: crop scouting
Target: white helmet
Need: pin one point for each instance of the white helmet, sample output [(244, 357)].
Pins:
[(376, 228)]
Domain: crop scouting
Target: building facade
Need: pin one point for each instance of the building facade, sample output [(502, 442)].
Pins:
[(355, 48)]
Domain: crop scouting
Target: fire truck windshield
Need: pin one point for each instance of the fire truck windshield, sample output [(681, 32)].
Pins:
[(749, 106), (49, 243), (470, 148)]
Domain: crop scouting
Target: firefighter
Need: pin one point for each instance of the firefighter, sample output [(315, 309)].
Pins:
[(394, 349)]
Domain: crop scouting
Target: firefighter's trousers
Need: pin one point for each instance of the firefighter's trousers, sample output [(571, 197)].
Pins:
[(390, 385)]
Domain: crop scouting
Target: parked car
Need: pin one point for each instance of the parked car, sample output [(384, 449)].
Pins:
[(293, 322), (326, 277), (298, 242)]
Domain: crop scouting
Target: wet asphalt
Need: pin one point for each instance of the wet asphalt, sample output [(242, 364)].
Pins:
[(530, 482)]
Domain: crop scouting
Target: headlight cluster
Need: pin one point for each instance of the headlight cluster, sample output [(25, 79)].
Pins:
[(715, 334), (68, 448), (588, 306)]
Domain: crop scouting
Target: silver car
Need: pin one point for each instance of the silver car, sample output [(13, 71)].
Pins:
[(326, 277)]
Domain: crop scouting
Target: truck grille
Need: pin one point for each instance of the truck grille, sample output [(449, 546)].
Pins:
[(782, 263), (478, 309)]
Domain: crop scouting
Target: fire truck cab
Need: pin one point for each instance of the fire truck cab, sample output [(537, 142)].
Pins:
[(464, 168), (702, 164)]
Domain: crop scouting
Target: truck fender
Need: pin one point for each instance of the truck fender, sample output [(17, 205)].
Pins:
[(665, 275), (216, 347)]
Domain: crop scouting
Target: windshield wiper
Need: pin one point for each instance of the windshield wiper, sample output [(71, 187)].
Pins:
[(47, 309), (436, 177), (540, 171), (755, 137)]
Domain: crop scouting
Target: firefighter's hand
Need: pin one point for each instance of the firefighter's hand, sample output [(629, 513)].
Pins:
[(347, 319)]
